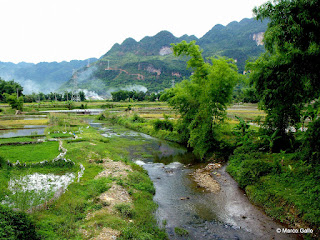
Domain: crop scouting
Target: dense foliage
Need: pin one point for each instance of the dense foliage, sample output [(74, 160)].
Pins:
[(124, 95), (202, 101), (52, 96), (9, 87), (16, 225), (286, 81), (286, 76)]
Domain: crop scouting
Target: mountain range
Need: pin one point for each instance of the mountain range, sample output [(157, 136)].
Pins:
[(41, 77), (148, 64)]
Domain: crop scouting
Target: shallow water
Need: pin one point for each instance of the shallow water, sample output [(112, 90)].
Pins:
[(28, 130), (24, 117), (31, 190), (78, 111), (224, 215)]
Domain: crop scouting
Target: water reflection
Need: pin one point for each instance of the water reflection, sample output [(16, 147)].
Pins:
[(28, 130)]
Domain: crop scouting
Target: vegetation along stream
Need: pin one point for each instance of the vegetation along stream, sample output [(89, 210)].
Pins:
[(186, 210)]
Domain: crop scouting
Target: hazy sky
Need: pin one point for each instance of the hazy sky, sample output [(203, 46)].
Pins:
[(58, 30)]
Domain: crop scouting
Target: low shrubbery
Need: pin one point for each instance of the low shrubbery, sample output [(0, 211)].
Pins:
[(16, 225), (163, 125), (285, 186)]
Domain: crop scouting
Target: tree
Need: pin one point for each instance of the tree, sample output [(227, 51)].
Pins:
[(202, 101), (119, 95), (286, 76), (82, 96), (9, 87), (14, 101)]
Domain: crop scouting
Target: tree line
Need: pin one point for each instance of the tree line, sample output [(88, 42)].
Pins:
[(124, 95)]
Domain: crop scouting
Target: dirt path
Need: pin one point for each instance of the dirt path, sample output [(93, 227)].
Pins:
[(109, 199)]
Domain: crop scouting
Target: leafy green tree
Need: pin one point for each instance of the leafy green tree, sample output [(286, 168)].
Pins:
[(286, 76), (67, 96), (9, 87), (82, 96), (119, 95), (203, 100), (14, 101)]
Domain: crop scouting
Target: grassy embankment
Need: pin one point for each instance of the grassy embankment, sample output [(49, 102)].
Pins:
[(64, 218)]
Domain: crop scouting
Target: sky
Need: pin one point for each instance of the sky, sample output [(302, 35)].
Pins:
[(63, 30)]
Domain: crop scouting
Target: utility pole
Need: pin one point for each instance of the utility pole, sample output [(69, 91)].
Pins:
[(75, 91)]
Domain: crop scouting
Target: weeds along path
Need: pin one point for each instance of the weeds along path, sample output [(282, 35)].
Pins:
[(111, 199)]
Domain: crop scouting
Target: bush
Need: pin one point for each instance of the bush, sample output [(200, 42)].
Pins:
[(181, 231), (2, 162), (136, 118), (16, 225), (124, 209), (141, 181), (84, 106), (163, 125), (252, 170), (102, 117), (312, 141)]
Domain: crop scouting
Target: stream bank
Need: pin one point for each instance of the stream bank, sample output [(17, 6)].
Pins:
[(226, 214)]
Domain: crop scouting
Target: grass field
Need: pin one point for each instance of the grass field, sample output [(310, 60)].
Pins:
[(31, 153)]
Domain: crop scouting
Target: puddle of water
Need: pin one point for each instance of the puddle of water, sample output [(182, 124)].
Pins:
[(28, 130), (34, 189)]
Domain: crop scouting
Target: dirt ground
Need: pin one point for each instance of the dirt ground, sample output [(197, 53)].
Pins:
[(115, 195)]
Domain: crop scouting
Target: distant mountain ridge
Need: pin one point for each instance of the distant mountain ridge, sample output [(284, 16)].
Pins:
[(43, 76), (148, 46), (141, 65), (150, 63)]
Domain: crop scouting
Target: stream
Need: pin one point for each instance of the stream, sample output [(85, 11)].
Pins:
[(227, 214)]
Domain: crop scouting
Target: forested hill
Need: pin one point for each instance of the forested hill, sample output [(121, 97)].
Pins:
[(43, 77), (150, 63)]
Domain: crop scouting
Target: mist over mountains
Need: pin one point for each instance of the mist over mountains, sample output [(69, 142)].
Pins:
[(144, 65), (41, 77)]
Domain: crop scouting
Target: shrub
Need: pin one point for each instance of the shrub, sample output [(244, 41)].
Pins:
[(163, 125), (101, 116), (181, 231), (252, 170), (84, 106), (16, 225), (124, 209), (141, 181), (312, 141), (136, 118), (2, 162)]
